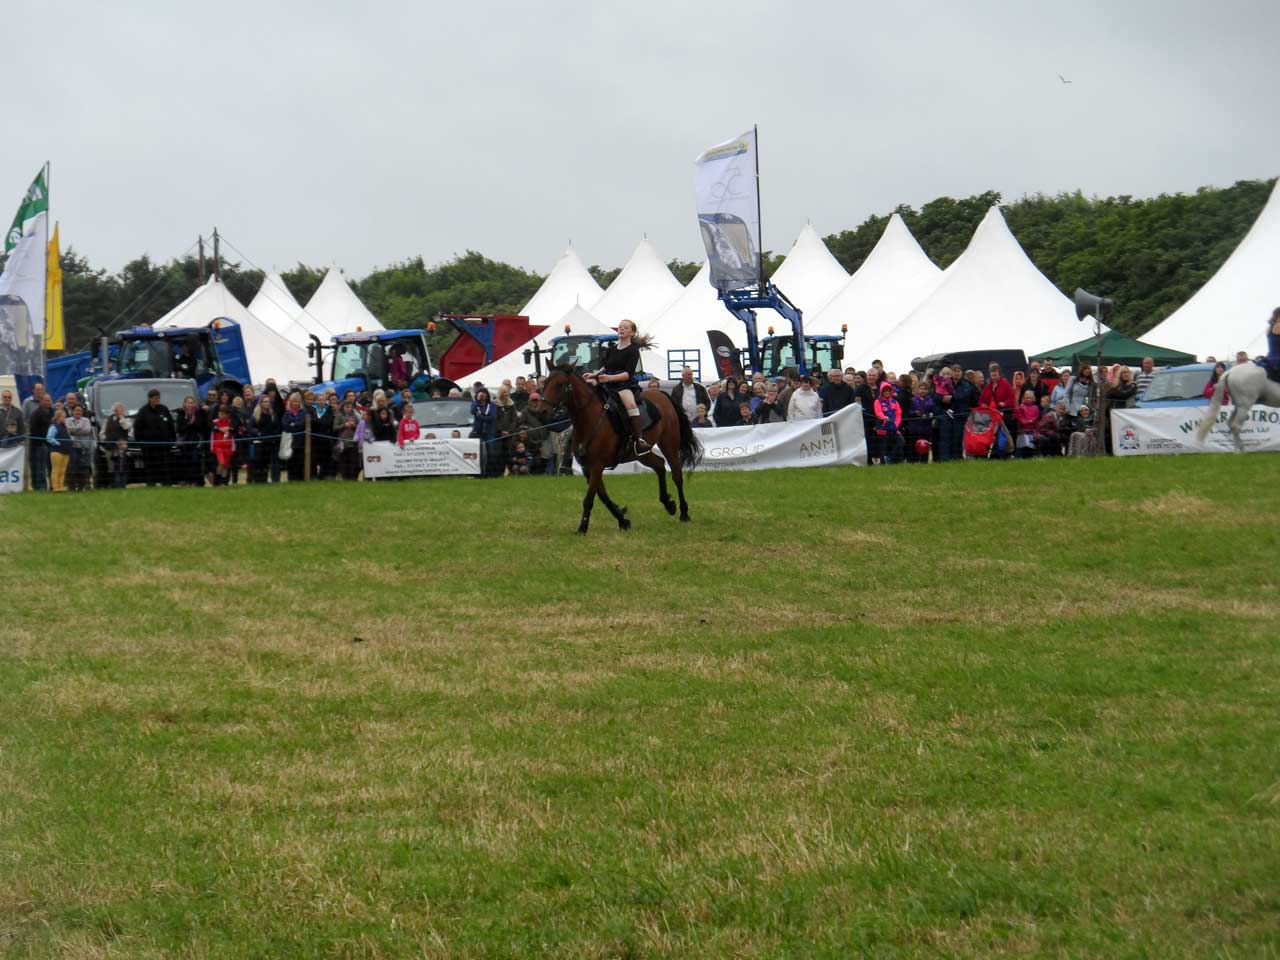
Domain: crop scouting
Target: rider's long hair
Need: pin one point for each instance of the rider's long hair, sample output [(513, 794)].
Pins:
[(642, 340)]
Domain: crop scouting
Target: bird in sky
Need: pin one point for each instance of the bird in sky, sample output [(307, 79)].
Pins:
[(1063, 79)]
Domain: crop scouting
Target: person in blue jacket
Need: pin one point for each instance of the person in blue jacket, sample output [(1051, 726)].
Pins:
[(484, 416), (1273, 345)]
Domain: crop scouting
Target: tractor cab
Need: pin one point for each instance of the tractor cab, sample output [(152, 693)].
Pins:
[(211, 356), (586, 351), (389, 360), (822, 352), (143, 353)]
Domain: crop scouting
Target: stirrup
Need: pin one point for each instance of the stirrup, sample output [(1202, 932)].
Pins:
[(640, 446)]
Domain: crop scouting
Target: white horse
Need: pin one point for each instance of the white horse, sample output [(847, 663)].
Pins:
[(1249, 385)]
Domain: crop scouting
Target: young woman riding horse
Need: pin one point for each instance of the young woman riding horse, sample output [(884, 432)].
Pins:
[(618, 372), (599, 447)]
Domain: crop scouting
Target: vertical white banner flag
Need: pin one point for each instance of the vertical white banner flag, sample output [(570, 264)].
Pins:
[(11, 465), (729, 211), (22, 284)]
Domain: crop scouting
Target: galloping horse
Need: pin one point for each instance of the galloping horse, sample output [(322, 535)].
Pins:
[(598, 445), (1248, 384)]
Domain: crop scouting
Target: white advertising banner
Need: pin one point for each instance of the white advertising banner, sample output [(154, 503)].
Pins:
[(12, 465), (833, 441), (1173, 430), (421, 458), (729, 211)]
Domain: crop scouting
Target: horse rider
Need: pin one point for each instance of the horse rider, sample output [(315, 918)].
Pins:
[(618, 371), (1273, 345)]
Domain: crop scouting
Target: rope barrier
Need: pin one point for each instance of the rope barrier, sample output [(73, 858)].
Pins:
[(242, 438)]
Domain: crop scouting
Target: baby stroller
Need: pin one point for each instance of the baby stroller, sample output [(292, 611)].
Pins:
[(985, 435)]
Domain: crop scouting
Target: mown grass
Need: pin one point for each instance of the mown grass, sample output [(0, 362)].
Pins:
[(982, 709)]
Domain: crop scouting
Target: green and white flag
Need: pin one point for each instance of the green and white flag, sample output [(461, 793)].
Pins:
[(22, 293), (34, 203)]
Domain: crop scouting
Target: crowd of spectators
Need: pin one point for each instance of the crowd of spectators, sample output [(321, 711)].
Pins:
[(264, 437)]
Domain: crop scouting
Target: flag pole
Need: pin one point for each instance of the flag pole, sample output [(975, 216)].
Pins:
[(48, 215), (755, 129)]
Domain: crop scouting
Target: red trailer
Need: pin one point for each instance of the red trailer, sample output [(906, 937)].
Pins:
[(483, 339)]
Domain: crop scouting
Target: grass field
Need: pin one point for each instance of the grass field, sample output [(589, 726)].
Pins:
[(970, 710)]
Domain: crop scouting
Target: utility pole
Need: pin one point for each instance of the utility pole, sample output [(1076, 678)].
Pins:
[(200, 259), (217, 256)]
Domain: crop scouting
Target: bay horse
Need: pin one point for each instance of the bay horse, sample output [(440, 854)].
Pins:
[(1248, 384), (599, 446)]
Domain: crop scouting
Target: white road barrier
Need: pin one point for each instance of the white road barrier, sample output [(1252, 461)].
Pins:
[(1173, 430), (419, 458), (832, 441)]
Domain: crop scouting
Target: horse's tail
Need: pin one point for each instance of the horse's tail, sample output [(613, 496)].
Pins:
[(1215, 404), (690, 445)]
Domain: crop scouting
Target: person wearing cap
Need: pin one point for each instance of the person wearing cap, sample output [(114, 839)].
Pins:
[(154, 430), (12, 423)]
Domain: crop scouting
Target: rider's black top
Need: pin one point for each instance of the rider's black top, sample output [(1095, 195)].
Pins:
[(622, 360)]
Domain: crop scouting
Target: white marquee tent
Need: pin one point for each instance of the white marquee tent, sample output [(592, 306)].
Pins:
[(513, 364), (643, 289), (275, 306), (895, 278), (336, 308), (1230, 312), (810, 275), (684, 326), (269, 354), (992, 297), (569, 283)]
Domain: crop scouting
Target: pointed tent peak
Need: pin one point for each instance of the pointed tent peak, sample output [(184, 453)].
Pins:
[(892, 281), (275, 306), (569, 282), (336, 307), (1229, 312), (896, 240), (642, 290), (809, 275)]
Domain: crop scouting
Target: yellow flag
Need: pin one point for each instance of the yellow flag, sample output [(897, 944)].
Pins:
[(54, 336)]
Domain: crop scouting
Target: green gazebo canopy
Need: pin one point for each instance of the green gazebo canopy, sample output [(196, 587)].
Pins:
[(1116, 348)]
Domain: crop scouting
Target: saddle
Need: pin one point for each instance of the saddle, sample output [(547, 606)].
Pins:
[(617, 413)]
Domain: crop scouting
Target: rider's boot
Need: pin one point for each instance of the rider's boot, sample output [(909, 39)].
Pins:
[(638, 442)]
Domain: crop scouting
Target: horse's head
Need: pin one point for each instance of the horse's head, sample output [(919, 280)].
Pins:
[(557, 390)]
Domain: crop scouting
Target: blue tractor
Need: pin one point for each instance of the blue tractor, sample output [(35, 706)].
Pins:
[(212, 356), (365, 361), (805, 353)]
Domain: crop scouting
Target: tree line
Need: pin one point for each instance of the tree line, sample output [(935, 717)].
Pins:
[(1149, 255)]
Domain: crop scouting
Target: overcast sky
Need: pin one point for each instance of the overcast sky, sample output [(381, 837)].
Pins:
[(361, 134)]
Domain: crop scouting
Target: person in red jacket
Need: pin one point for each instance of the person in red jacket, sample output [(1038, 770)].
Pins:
[(408, 428), (998, 393), (222, 445)]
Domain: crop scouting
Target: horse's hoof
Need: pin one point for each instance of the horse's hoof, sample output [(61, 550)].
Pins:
[(581, 531), (624, 524), (685, 518), (671, 508)]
